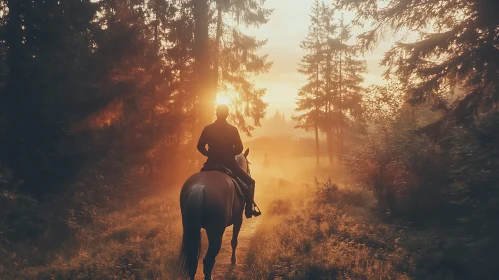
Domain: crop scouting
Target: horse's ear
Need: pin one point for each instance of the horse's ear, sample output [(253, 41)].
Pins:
[(246, 153)]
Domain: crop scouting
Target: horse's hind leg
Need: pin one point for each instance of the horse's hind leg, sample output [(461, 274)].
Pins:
[(215, 243), (233, 243)]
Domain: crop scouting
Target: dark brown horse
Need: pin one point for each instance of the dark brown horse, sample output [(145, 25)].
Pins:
[(209, 200)]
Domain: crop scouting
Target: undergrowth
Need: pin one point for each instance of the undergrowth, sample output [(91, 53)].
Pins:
[(140, 241), (337, 234)]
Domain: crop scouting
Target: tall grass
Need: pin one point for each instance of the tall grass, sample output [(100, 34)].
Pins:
[(337, 235), (139, 242)]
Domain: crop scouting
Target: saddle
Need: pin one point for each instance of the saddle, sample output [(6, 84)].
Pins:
[(221, 168)]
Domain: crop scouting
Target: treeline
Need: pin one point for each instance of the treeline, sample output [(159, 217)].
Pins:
[(129, 80), (331, 100), (428, 147), (100, 102)]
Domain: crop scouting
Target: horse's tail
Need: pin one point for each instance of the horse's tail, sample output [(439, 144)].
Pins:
[(192, 214)]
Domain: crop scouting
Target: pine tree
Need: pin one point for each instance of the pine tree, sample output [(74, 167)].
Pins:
[(150, 65), (3, 81), (179, 56), (229, 58), (350, 79), (461, 49), (237, 60), (49, 54), (329, 77), (310, 95), (83, 80), (340, 79), (201, 68)]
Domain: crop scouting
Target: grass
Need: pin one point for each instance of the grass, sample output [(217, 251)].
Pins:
[(319, 231), (335, 234), (138, 242)]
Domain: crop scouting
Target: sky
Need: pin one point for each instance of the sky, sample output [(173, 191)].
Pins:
[(287, 27)]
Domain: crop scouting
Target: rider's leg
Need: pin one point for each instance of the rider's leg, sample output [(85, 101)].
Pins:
[(250, 192), (250, 196)]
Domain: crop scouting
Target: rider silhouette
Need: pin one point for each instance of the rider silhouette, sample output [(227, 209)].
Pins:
[(224, 143)]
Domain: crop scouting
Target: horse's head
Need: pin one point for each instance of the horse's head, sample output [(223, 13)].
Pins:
[(242, 161)]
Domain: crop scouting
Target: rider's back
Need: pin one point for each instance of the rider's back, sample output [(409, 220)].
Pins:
[(223, 141)]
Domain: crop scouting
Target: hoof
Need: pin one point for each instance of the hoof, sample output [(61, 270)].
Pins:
[(233, 262)]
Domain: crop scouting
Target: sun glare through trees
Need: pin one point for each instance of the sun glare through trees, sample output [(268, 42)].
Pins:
[(223, 100), (366, 132)]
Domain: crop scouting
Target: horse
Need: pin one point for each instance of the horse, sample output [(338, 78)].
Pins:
[(209, 200)]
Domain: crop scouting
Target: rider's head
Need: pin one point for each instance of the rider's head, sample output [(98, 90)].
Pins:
[(222, 111)]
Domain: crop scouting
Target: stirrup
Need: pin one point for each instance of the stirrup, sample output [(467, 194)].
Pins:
[(256, 212)]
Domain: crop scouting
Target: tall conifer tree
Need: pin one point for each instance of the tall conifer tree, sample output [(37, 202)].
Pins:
[(457, 46), (311, 96)]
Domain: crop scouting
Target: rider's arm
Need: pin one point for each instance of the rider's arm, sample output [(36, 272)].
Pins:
[(202, 143), (238, 143)]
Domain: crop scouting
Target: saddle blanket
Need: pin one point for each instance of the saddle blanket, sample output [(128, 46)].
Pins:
[(238, 183)]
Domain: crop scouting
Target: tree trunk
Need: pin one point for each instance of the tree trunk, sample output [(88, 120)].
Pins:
[(153, 89), (216, 62), (328, 121), (330, 146), (202, 69), (317, 72), (317, 143), (328, 128), (341, 108), (202, 83), (12, 150)]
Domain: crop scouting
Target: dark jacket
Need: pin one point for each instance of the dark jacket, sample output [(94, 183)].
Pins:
[(223, 141)]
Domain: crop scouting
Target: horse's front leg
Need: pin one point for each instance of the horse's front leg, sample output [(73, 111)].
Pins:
[(235, 233)]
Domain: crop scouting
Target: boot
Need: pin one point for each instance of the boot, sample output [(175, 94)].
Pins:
[(249, 209)]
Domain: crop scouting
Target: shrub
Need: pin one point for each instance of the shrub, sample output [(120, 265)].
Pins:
[(327, 239), (450, 180), (280, 207), (326, 191), (406, 172)]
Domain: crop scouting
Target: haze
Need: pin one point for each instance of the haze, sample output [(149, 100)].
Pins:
[(287, 27)]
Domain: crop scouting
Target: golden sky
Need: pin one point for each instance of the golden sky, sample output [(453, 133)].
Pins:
[(287, 27)]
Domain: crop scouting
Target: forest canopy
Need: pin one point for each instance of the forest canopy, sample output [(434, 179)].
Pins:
[(457, 50), (134, 80)]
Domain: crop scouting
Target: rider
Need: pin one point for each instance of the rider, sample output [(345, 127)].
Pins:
[(224, 143)]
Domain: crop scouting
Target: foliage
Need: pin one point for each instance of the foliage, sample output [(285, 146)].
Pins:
[(132, 242), (226, 59), (238, 60), (457, 47), (95, 98), (334, 239), (474, 189), (310, 95), (331, 98), (81, 81), (449, 185), (340, 237), (436, 170)]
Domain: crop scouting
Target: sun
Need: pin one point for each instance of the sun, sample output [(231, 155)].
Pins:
[(223, 100)]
